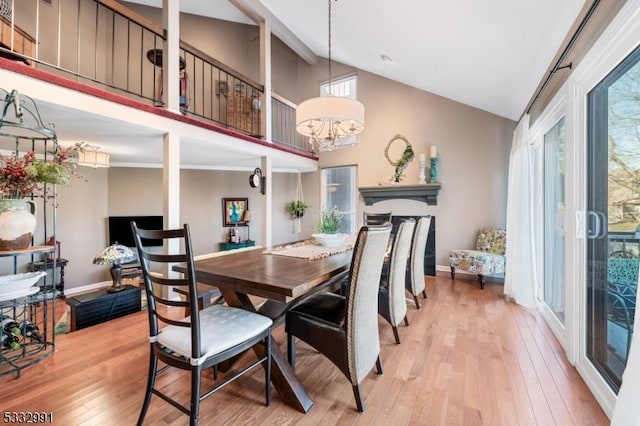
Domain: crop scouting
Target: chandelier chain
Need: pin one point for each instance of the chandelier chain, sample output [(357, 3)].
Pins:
[(330, 88)]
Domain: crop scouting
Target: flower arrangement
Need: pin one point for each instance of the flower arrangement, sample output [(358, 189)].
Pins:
[(26, 175), (330, 221), (297, 208)]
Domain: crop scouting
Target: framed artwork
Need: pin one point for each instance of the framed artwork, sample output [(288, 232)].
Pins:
[(233, 210)]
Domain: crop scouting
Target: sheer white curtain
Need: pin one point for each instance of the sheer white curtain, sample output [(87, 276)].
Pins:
[(520, 272), (627, 410)]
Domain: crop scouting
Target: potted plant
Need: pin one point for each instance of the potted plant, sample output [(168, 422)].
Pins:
[(297, 208), (25, 176), (328, 228)]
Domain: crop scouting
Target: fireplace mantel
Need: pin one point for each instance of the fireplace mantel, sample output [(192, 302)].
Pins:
[(427, 193)]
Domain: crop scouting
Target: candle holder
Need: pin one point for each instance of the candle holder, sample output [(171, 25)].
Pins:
[(433, 170), (422, 178)]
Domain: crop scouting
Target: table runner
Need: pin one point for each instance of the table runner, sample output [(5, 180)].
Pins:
[(311, 250)]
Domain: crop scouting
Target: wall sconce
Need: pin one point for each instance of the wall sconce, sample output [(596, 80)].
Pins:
[(256, 180)]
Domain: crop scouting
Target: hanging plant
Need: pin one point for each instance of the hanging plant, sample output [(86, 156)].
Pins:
[(297, 208), (401, 163)]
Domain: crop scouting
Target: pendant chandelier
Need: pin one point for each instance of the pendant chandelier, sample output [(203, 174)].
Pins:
[(329, 120)]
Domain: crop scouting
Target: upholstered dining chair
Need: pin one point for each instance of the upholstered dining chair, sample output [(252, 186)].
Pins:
[(487, 259), (195, 343), (415, 271), (392, 305), (345, 328), (376, 218)]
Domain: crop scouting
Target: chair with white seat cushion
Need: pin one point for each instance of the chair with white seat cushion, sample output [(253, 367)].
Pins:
[(202, 340)]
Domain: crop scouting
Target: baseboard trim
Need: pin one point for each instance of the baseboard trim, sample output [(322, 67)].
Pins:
[(86, 288), (70, 292)]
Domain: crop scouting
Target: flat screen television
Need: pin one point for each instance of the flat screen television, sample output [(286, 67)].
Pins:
[(120, 229)]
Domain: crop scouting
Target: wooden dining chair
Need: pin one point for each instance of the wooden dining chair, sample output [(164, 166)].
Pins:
[(345, 328), (195, 343), (392, 305), (415, 272)]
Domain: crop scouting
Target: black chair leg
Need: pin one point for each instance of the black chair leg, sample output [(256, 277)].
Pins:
[(379, 365), (395, 334), (406, 321), (151, 381), (291, 350), (424, 293), (481, 279), (358, 396), (453, 273), (415, 299), (267, 369), (195, 395), (215, 372)]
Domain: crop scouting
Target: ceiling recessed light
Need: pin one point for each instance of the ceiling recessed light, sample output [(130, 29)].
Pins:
[(386, 58)]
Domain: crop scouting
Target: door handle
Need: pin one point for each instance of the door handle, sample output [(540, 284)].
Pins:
[(597, 219)]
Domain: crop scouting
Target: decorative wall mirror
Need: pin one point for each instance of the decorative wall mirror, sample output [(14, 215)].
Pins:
[(399, 153)]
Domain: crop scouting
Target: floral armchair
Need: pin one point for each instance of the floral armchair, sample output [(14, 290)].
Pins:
[(488, 258)]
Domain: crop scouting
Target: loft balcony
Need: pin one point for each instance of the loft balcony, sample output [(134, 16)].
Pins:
[(102, 43)]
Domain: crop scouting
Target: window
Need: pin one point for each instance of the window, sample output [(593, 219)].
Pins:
[(346, 88), (338, 186)]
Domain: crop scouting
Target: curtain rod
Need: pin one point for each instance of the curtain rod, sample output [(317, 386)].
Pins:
[(564, 54)]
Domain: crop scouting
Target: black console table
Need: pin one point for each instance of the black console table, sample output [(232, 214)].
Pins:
[(99, 306)]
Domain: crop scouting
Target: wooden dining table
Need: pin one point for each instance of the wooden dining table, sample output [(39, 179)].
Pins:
[(282, 281)]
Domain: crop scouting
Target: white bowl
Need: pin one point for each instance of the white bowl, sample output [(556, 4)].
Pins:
[(329, 240), (19, 282)]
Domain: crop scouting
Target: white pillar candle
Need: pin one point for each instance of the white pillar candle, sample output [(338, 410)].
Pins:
[(423, 157), (433, 152)]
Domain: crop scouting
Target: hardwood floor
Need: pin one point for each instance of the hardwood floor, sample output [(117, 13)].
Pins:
[(468, 357)]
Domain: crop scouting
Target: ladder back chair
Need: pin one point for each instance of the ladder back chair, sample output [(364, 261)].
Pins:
[(200, 341)]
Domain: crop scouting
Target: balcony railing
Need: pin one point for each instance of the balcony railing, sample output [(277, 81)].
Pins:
[(283, 119), (103, 43)]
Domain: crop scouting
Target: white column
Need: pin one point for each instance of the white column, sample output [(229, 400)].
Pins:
[(171, 54), (266, 202), (171, 193), (265, 77)]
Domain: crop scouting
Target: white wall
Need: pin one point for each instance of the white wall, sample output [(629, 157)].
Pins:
[(82, 227)]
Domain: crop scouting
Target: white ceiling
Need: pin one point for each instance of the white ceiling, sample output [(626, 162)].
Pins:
[(489, 54)]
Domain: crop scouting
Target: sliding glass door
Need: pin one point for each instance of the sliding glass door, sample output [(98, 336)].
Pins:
[(554, 219), (613, 217)]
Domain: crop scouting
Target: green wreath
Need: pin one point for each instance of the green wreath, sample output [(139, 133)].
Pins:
[(404, 160)]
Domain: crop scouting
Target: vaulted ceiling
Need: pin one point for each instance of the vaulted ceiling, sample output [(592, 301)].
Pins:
[(488, 54)]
